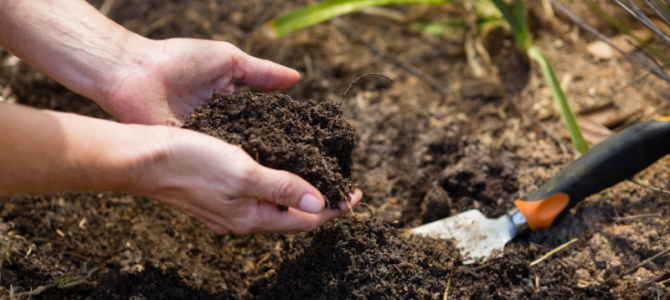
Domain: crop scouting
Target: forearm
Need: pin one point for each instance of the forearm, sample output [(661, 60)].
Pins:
[(71, 42), (43, 151)]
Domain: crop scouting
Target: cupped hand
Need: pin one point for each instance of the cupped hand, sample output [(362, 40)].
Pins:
[(170, 78), (223, 187), (217, 183)]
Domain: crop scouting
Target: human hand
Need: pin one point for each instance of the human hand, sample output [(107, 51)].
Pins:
[(223, 187), (173, 77)]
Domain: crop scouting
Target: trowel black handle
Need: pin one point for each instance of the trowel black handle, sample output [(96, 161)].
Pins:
[(617, 158)]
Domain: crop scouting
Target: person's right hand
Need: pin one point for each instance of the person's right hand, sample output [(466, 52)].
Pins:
[(223, 187)]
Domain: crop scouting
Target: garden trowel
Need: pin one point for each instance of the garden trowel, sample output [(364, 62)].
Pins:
[(613, 160)]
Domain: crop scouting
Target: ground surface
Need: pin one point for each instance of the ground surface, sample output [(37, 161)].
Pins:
[(421, 156)]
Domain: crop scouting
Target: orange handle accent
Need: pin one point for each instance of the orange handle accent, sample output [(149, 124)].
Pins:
[(666, 119), (541, 213)]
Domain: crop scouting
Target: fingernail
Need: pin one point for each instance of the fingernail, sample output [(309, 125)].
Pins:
[(311, 204)]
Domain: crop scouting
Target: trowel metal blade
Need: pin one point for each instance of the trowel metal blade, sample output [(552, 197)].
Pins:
[(477, 237)]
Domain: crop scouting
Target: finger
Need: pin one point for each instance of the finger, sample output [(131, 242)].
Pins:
[(271, 219), (262, 73), (283, 188)]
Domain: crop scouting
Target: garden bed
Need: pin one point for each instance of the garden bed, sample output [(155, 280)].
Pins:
[(420, 156)]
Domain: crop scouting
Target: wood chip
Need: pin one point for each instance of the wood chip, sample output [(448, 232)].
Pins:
[(82, 224), (601, 50), (593, 131)]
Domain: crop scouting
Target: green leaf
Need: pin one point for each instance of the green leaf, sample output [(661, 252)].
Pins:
[(438, 29), (569, 119), (60, 282), (322, 11)]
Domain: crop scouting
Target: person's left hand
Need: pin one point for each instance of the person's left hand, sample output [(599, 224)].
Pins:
[(172, 77)]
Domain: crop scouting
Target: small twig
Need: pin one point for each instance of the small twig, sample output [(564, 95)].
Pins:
[(630, 218), (34, 292), (537, 122), (650, 187), (348, 204), (446, 291), (660, 278), (350, 208), (559, 248), (372, 214), (359, 78), (631, 270), (346, 28)]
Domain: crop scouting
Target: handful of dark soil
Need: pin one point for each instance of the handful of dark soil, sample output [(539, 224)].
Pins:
[(308, 139)]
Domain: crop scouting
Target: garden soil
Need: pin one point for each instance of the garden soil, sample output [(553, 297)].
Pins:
[(305, 138), (420, 156)]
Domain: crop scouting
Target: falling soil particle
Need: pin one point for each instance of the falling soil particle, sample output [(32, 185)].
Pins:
[(305, 138)]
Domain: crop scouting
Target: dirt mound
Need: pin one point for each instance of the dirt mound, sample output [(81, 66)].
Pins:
[(363, 259), (417, 171), (305, 138)]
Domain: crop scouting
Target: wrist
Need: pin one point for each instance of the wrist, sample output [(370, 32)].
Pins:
[(144, 164), (129, 53)]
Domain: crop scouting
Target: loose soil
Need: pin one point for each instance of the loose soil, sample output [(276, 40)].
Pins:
[(421, 156), (305, 138)]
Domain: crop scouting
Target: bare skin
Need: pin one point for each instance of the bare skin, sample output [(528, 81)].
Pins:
[(151, 83)]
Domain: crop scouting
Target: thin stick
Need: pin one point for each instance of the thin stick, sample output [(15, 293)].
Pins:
[(372, 214), (350, 209), (348, 204), (650, 187), (539, 124), (446, 291), (559, 248), (629, 218), (359, 78), (346, 28), (631, 270)]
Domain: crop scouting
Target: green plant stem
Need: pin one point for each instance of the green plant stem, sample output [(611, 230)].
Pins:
[(517, 22), (547, 68), (325, 10)]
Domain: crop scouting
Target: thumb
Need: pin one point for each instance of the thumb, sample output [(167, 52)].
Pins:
[(261, 73), (284, 188)]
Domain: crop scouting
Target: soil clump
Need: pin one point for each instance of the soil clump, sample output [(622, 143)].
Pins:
[(308, 139)]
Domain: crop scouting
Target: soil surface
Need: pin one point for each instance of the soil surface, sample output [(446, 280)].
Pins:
[(308, 139), (420, 156)]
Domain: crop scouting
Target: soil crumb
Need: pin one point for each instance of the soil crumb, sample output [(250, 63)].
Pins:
[(308, 139)]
